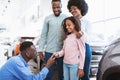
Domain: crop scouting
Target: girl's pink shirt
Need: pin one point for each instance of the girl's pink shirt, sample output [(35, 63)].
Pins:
[(73, 51)]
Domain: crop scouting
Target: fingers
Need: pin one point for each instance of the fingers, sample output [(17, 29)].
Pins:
[(50, 61), (80, 73), (55, 55), (52, 58)]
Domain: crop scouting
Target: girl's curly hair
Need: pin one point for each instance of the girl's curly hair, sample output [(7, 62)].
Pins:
[(77, 24)]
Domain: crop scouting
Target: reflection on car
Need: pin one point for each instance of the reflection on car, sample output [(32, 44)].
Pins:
[(109, 66)]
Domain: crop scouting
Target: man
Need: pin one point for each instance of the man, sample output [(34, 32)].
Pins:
[(52, 38), (16, 68)]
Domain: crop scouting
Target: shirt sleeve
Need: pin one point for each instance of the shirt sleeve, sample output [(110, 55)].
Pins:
[(62, 52), (81, 45), (23, 73), (42, 74), (44, 34), (87, 29)]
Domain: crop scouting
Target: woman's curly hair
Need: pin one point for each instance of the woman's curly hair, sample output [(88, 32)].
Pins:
[(80, 4)]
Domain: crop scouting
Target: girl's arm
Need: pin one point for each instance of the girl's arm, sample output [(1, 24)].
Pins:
[(60, 53), (81, 45)]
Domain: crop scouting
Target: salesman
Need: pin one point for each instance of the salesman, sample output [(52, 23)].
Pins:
[(16, 68)]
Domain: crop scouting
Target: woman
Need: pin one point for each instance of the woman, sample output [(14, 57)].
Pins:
[(79, 8)]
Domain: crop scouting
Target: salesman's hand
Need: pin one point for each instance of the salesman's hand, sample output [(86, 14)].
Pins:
[(50, 61)]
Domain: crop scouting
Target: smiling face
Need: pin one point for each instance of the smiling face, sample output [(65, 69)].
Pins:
[(70, 26), (75, 12), (56, 7)]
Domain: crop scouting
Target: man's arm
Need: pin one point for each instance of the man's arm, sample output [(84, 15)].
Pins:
[(44, 34), (23, 73)]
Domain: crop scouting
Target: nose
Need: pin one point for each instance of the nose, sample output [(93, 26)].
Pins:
[(67, 27), (71, 10), (55, 9)]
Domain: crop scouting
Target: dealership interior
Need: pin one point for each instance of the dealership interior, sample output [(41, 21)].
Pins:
[(23, 19)]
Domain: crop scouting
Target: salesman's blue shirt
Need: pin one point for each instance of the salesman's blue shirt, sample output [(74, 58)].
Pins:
[(16, 68)]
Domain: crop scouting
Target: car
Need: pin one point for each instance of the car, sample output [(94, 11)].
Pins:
[(97, 52), (5, 44), (98, 45), (109, 66), (21, 39), (3, 51), (36, 41)]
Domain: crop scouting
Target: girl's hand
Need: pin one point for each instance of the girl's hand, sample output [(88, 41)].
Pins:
[(55, 55), (80, 73)]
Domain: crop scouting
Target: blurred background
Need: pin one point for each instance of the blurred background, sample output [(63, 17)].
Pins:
[(23, 19)]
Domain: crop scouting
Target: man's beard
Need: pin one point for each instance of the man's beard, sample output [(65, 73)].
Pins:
[(57, 14)]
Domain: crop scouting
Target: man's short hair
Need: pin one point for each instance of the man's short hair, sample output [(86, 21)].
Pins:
[(25, 45), (56, 0)]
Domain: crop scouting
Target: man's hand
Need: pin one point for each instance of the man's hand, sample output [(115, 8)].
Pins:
[(41, 55), (50, 61)]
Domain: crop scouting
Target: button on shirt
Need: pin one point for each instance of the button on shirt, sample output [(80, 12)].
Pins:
[(16, 68), (52, 34)]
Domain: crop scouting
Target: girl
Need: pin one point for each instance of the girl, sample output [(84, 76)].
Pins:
[(73, 49)]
